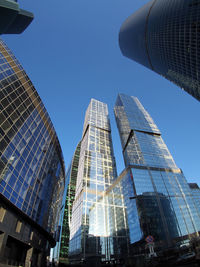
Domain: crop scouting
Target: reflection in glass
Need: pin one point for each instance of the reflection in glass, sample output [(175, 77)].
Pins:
[(158, 199)]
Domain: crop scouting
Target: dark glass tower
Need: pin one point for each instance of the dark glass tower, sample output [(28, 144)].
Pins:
[(13, 19), (158, 199), (72, 177), (164, 36), (32, 172)]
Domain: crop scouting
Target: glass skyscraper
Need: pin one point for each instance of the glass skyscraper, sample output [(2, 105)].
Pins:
[(98, 225), (196, 193), (71, 178), (164, 36), (158, 199), (32, 172)]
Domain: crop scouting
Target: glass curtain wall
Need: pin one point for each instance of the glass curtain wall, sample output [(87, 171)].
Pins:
[(196, 193), (31, 163), (160, 202), (164, 37), (70, 196), (90, 234)]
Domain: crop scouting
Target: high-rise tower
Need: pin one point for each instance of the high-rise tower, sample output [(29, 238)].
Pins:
[(96, 221), (158, 199), (196, 193), (70, 196), (164, 37), (32, 172)]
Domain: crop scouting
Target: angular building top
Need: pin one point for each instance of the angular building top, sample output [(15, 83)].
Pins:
[(96, 115), (136, 116), (163, 36), (141, 140), (13, 20)]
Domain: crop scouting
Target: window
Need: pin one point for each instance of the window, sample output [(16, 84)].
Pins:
[(18, 226), (2, 213)]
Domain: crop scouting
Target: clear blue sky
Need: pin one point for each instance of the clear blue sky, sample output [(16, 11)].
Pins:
[(71, 54)]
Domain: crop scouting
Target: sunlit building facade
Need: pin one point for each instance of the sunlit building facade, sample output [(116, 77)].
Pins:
[(164, 37), (32, 172), (98, 225), (70, 196), (158, 199), (196, 193)]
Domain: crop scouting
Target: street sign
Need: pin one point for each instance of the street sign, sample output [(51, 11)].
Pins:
[(149, 239)]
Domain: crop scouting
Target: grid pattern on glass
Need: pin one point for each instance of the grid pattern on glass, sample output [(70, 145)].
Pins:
[(137, 117), (96, 220), (195, 191), (163, 204), (141, 140), (31, 163), (154, 150), (70, 196), (133, 222), (173, 190), (173, 42)]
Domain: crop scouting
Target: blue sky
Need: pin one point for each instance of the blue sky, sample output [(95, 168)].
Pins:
[(71, 54)]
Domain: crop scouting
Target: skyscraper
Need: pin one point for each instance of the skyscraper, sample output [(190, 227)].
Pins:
[(13, 19), (72, 178), (164, 37), (98, 222), (158, 199), (32, 172), (196, 193)]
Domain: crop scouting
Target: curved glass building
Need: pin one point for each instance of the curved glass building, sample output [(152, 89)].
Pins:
[(164, 36), (32, 172)]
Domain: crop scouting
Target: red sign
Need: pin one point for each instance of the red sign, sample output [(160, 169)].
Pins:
[(149, 239)]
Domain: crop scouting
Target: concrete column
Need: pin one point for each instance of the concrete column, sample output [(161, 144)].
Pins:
[(29, 256), (3, 241), (40, 258)]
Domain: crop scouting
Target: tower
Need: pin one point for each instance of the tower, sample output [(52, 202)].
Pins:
[(32, 171), (158, 199), (94, 227), (164, 37), (70, 196)]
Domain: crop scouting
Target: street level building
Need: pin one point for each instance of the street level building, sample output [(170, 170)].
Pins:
[(158, 199), (164, 36), (32, 172)]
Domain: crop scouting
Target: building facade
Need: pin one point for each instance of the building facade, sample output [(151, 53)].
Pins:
[(158, 199), (98, 225), (195, 192), (32, 172), (164, 37), (13, 19), (70, 196)]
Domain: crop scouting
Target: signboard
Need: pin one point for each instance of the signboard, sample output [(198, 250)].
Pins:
[(149, 239)]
